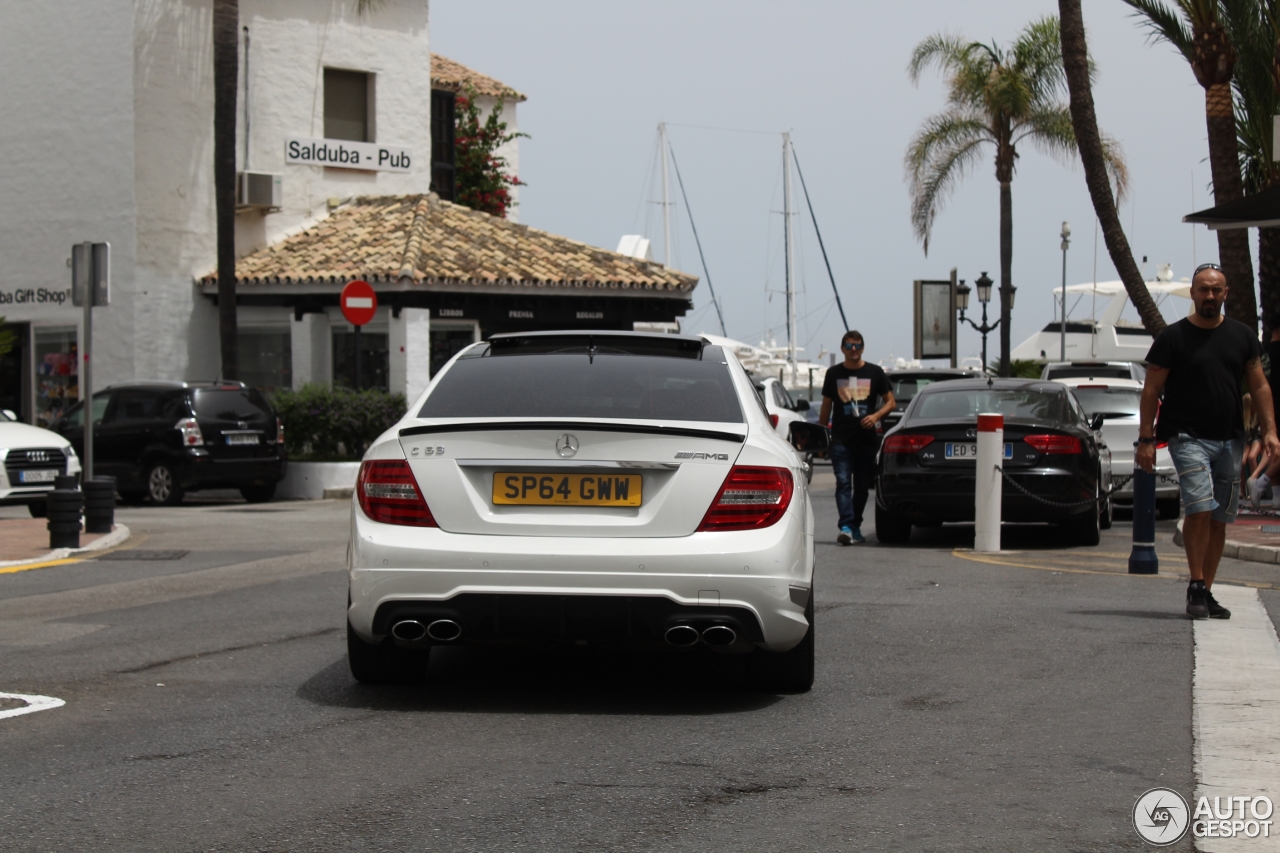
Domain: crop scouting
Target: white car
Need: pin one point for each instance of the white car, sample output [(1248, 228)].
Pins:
[(782, 408), (609, 487), (31, 457), (1118, 399)]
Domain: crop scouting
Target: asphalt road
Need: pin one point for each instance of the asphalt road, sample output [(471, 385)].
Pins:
[(959, 705)]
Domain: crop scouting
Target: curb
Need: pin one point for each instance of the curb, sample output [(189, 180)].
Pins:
[(1239, 550), (112, 539)]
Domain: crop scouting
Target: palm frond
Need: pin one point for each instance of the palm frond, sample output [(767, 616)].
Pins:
[(1051, 132), (936, 176), (941, 49), (1113, 156), (940, 132), (1164, 24)]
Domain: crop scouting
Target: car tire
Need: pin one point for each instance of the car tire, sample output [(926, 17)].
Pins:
[(1085, 529), (890, 529), (1168, 508), (790, 671), (258, 494), (384, 663), (1106, 512), (39, 509), (162, 485)]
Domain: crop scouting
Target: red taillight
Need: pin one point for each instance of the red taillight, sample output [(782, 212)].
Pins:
[(773, 419), (750, 497), (909, 443), (1054, 444), (388, 493)]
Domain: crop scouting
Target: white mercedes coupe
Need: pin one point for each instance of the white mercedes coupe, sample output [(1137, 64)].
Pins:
[(602, 487)]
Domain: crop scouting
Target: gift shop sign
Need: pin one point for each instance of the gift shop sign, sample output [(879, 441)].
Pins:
[(35, 296), (345, 154)]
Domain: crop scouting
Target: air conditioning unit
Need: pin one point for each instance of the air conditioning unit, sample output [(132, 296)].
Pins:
[(259, 189)]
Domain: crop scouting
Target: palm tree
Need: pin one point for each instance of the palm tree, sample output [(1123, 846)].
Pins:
[(1196, 28), (998, 97), (1075, 61), (226, 71)]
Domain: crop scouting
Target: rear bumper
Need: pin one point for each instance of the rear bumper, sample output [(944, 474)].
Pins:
[(211, 472), (949, 496), (761, 577)]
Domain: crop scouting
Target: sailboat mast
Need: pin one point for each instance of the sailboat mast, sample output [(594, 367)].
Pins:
[(666, 200), (789, 242)]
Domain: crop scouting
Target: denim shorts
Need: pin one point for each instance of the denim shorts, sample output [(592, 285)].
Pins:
[(1208, 475)]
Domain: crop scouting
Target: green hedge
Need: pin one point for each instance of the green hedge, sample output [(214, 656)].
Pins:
[(323, 424)]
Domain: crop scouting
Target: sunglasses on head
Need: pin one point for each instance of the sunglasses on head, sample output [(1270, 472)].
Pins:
[(1204, 267), (852, 345)]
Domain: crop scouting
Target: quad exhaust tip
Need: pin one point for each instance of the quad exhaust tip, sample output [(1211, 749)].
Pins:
[(408, 630), (444, 630), (719, 636), (681, 635)]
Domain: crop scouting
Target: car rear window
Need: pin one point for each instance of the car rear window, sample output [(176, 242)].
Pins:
[(906, 387), (1102, 371), (231, 404), (1012, 403), (632, 387), (1111, 401)]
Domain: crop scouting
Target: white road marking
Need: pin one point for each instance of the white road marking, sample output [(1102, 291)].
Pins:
[(34, 703), (1236, 710)]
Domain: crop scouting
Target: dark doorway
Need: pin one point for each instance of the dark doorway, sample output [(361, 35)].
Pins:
[(14, 372), (374, 360)]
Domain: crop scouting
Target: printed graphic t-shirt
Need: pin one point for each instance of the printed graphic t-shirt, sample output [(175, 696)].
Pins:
[(854, 395), (1202, 394)]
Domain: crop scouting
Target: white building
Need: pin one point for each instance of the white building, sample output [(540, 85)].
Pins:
[(109, 137)]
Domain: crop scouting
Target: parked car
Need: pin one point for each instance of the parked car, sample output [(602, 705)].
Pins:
[(1116, 400), (161, 440), (908, 381), (784, 410), (610, 487), (32, 457), (925, 469), (1059, 370)]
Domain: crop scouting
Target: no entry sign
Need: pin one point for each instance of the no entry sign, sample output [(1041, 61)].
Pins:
[(358, 302)]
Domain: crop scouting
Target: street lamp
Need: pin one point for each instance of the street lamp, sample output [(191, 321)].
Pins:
[(1066, 241), (984, 296)]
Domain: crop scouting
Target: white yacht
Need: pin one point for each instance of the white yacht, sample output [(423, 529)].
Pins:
[(1103, 336)]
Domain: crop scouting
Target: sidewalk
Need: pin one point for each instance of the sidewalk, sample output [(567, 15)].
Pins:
[(26, 540), (1255, 538)]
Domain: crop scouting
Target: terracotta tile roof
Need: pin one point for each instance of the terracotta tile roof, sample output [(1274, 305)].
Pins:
[(454, 76), (421, 240)]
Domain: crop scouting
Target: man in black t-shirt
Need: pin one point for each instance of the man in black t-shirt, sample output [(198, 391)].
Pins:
[(1198, 364), (855, 396)]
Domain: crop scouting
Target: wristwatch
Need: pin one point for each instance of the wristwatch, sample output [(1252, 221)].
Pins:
[(1148, 440)]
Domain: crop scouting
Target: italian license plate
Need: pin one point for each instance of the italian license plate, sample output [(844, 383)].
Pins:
[(242, 438), (37, 476), (970, 451), (539, 489)]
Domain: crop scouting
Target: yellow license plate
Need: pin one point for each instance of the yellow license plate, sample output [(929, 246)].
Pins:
[(539, 489)]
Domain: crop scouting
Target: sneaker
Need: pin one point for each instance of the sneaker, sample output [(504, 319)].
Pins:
[(846, 536), (1216, 610), (1197, 601), (858, 538), (1255, 493)]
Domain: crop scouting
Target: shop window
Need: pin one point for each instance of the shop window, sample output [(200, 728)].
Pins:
[(266, 359), (347, 103), (374, 360), (57, 379), (443, 150), (446, 343)]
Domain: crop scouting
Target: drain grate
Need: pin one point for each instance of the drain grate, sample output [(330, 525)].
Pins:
[(1271, 528), (140, 554)]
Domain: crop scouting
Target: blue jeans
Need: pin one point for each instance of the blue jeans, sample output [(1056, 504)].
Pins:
[(854, 468), (1208, 475)]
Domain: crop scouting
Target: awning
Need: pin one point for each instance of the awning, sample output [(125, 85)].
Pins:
[(1260, 210)]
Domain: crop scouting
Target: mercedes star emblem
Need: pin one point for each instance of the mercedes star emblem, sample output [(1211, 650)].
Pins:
[(567, 445)]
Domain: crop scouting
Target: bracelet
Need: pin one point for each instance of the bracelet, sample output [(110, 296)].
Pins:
[(1146, 441)]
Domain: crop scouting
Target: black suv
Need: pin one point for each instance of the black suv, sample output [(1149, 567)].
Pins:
[(163, 439)]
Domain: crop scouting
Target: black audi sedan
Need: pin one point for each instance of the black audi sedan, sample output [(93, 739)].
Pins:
[(1052, 449)]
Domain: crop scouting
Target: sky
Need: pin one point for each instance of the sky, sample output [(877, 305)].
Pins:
[(729, 77)]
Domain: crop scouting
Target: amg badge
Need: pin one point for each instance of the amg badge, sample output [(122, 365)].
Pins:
[(690, 454)]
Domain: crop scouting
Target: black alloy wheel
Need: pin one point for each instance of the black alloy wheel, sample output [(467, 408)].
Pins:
[(162, 486), (1106, 512), (1086, 529), (891, 529)]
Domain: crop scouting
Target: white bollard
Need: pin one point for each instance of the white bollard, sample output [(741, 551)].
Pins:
[(989, 486)]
